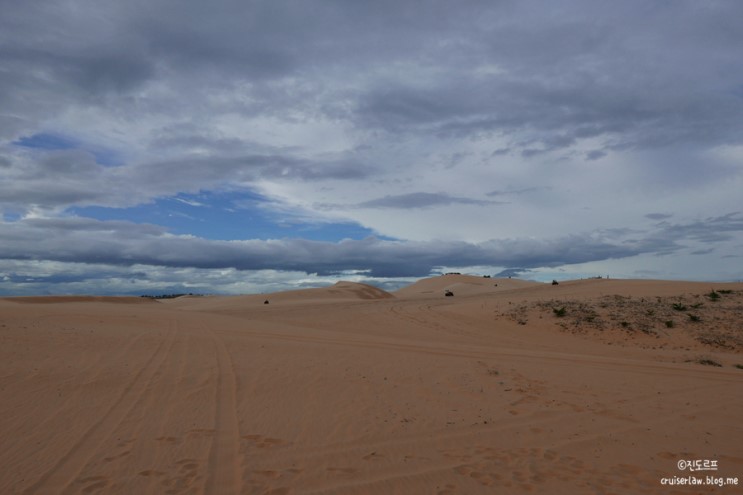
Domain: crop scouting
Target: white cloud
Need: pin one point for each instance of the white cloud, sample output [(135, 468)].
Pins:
[(580, 118)]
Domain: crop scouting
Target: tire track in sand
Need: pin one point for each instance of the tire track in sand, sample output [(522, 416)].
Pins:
[(66, 469), (224, 457)]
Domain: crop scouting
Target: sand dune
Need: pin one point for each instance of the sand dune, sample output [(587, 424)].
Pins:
[(339, 292), (462, 285), (349, 389)]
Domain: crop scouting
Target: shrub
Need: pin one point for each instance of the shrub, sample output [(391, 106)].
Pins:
[(709, 362), (669, 323), (559, 312), (694, 318), (713, 296), (679, 307)]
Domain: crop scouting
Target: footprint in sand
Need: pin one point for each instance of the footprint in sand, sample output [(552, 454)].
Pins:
[(114, 457), (342, 470), (181, 481), (94, 483), (373, 456), (167, 439), (447, 490), (150, 472), (263, 442)]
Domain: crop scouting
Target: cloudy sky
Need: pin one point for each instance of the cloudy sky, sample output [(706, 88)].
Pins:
[(240, 146)]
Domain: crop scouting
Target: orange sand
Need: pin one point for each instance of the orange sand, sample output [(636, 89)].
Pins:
[(350, 389)]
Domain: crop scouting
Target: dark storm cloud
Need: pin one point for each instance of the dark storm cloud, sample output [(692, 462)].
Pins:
[(420, 200), (63, 178), (55, 54), (711, 230), (658, 216), (566, 75), (595, 155), (66, 278), (53, 178), (515, 192), (589, 68), (191, 170), (83, 240), (633, 74), (623, 116)]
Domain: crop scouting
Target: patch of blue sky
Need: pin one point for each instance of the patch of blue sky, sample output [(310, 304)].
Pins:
[(51, 142), (226, 216), (11, 216), (45, 141)]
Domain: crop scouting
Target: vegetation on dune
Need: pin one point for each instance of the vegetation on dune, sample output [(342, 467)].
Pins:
[(717, 325), (707, 362)]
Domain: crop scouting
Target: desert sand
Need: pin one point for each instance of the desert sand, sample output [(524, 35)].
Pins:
[(350, 390)]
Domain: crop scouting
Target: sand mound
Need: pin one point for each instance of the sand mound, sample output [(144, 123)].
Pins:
[(461, 285), (359, 291), (341, 291)]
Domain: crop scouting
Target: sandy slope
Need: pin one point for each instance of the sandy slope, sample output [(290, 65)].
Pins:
[(351, 390), (339, 292), (461, 285)]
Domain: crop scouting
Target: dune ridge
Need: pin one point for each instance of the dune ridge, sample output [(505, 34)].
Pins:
[(466, 285), (349, 389)]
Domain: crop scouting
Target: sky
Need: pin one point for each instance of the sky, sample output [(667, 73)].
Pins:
[(233, 146)]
